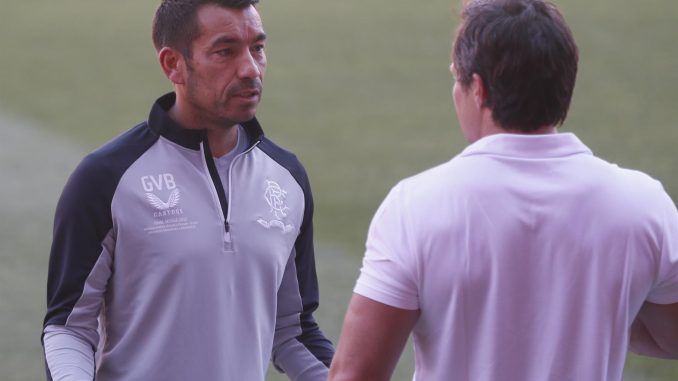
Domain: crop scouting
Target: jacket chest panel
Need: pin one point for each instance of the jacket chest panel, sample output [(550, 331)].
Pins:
[(165, 214), (266, 210)]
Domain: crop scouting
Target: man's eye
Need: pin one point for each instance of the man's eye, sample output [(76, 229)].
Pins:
[(258, 48), (225, 52)]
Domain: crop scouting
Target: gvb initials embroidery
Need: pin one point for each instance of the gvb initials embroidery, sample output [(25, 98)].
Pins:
[(168, 216)]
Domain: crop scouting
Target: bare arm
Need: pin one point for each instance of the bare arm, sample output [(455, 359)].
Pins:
[(372, 339), (655, 331)]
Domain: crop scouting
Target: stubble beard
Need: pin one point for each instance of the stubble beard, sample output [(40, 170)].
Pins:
[(208, 115)]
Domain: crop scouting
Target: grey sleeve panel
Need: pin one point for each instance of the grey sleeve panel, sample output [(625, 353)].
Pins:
[(68, 356), (69, 349), (299, 363), (290, 355), (85, 312), (287, 326)]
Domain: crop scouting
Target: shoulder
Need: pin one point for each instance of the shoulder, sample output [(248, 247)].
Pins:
[(452, 178), (286, 159), (636, 181), (632, 190), (412, 203), (123, 149), (99, 172)]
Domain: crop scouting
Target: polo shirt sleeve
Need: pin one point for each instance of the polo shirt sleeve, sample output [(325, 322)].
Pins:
[(388, 272), (665, 290)]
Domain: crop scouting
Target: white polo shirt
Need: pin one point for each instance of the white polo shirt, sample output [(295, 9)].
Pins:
[(528, 257)]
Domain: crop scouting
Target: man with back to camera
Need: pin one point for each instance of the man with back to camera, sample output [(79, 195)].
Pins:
[(525, 257), (189, 237)]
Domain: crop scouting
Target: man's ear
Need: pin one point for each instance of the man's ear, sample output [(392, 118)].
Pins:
[(479, 91), (173, 64)]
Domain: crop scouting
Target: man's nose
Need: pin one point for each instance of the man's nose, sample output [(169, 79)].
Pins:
[(249, 67)]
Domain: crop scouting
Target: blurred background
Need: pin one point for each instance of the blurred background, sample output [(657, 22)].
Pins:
[(360, 90)]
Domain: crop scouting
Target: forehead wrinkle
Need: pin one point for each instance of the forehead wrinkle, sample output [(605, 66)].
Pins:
[(229, 39), (227, 29)]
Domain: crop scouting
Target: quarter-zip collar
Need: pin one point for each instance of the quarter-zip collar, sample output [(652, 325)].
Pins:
[(161, 123)]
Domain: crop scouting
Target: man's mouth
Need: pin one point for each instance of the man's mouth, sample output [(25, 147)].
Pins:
[(248, 94)]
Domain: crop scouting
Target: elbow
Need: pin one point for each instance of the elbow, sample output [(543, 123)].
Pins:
[(667, 338), (669, 345), (656, 326)]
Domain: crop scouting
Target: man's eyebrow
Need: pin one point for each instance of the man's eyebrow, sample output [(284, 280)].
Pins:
[(226, 40)]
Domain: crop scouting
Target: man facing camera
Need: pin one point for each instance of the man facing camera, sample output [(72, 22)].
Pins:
[(183, 249), (525, 257)]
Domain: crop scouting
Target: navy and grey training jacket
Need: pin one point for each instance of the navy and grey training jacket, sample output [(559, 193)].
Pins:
[(161, 276)]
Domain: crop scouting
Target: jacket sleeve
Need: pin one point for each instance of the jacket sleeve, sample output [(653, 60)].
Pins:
[(79, 269), (68, 356), (290, 354), (300, 349)]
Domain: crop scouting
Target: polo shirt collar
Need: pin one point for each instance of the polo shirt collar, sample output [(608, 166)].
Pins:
[(160, 122), (528, 146)]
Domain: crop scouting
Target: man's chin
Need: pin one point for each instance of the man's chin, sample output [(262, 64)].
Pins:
[(240, 117), (238, 113), (247, 116)]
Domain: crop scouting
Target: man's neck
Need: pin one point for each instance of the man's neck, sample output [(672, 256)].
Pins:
[(489, 127), (498, 130), (221, 138)]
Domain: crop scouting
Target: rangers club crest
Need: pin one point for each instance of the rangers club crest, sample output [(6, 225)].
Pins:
[(275, 198)]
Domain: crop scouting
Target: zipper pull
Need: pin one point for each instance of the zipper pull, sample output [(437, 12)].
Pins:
[(228, 244)]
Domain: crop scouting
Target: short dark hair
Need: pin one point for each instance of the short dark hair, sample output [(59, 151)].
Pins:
[(525, 55), (175, 26)]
